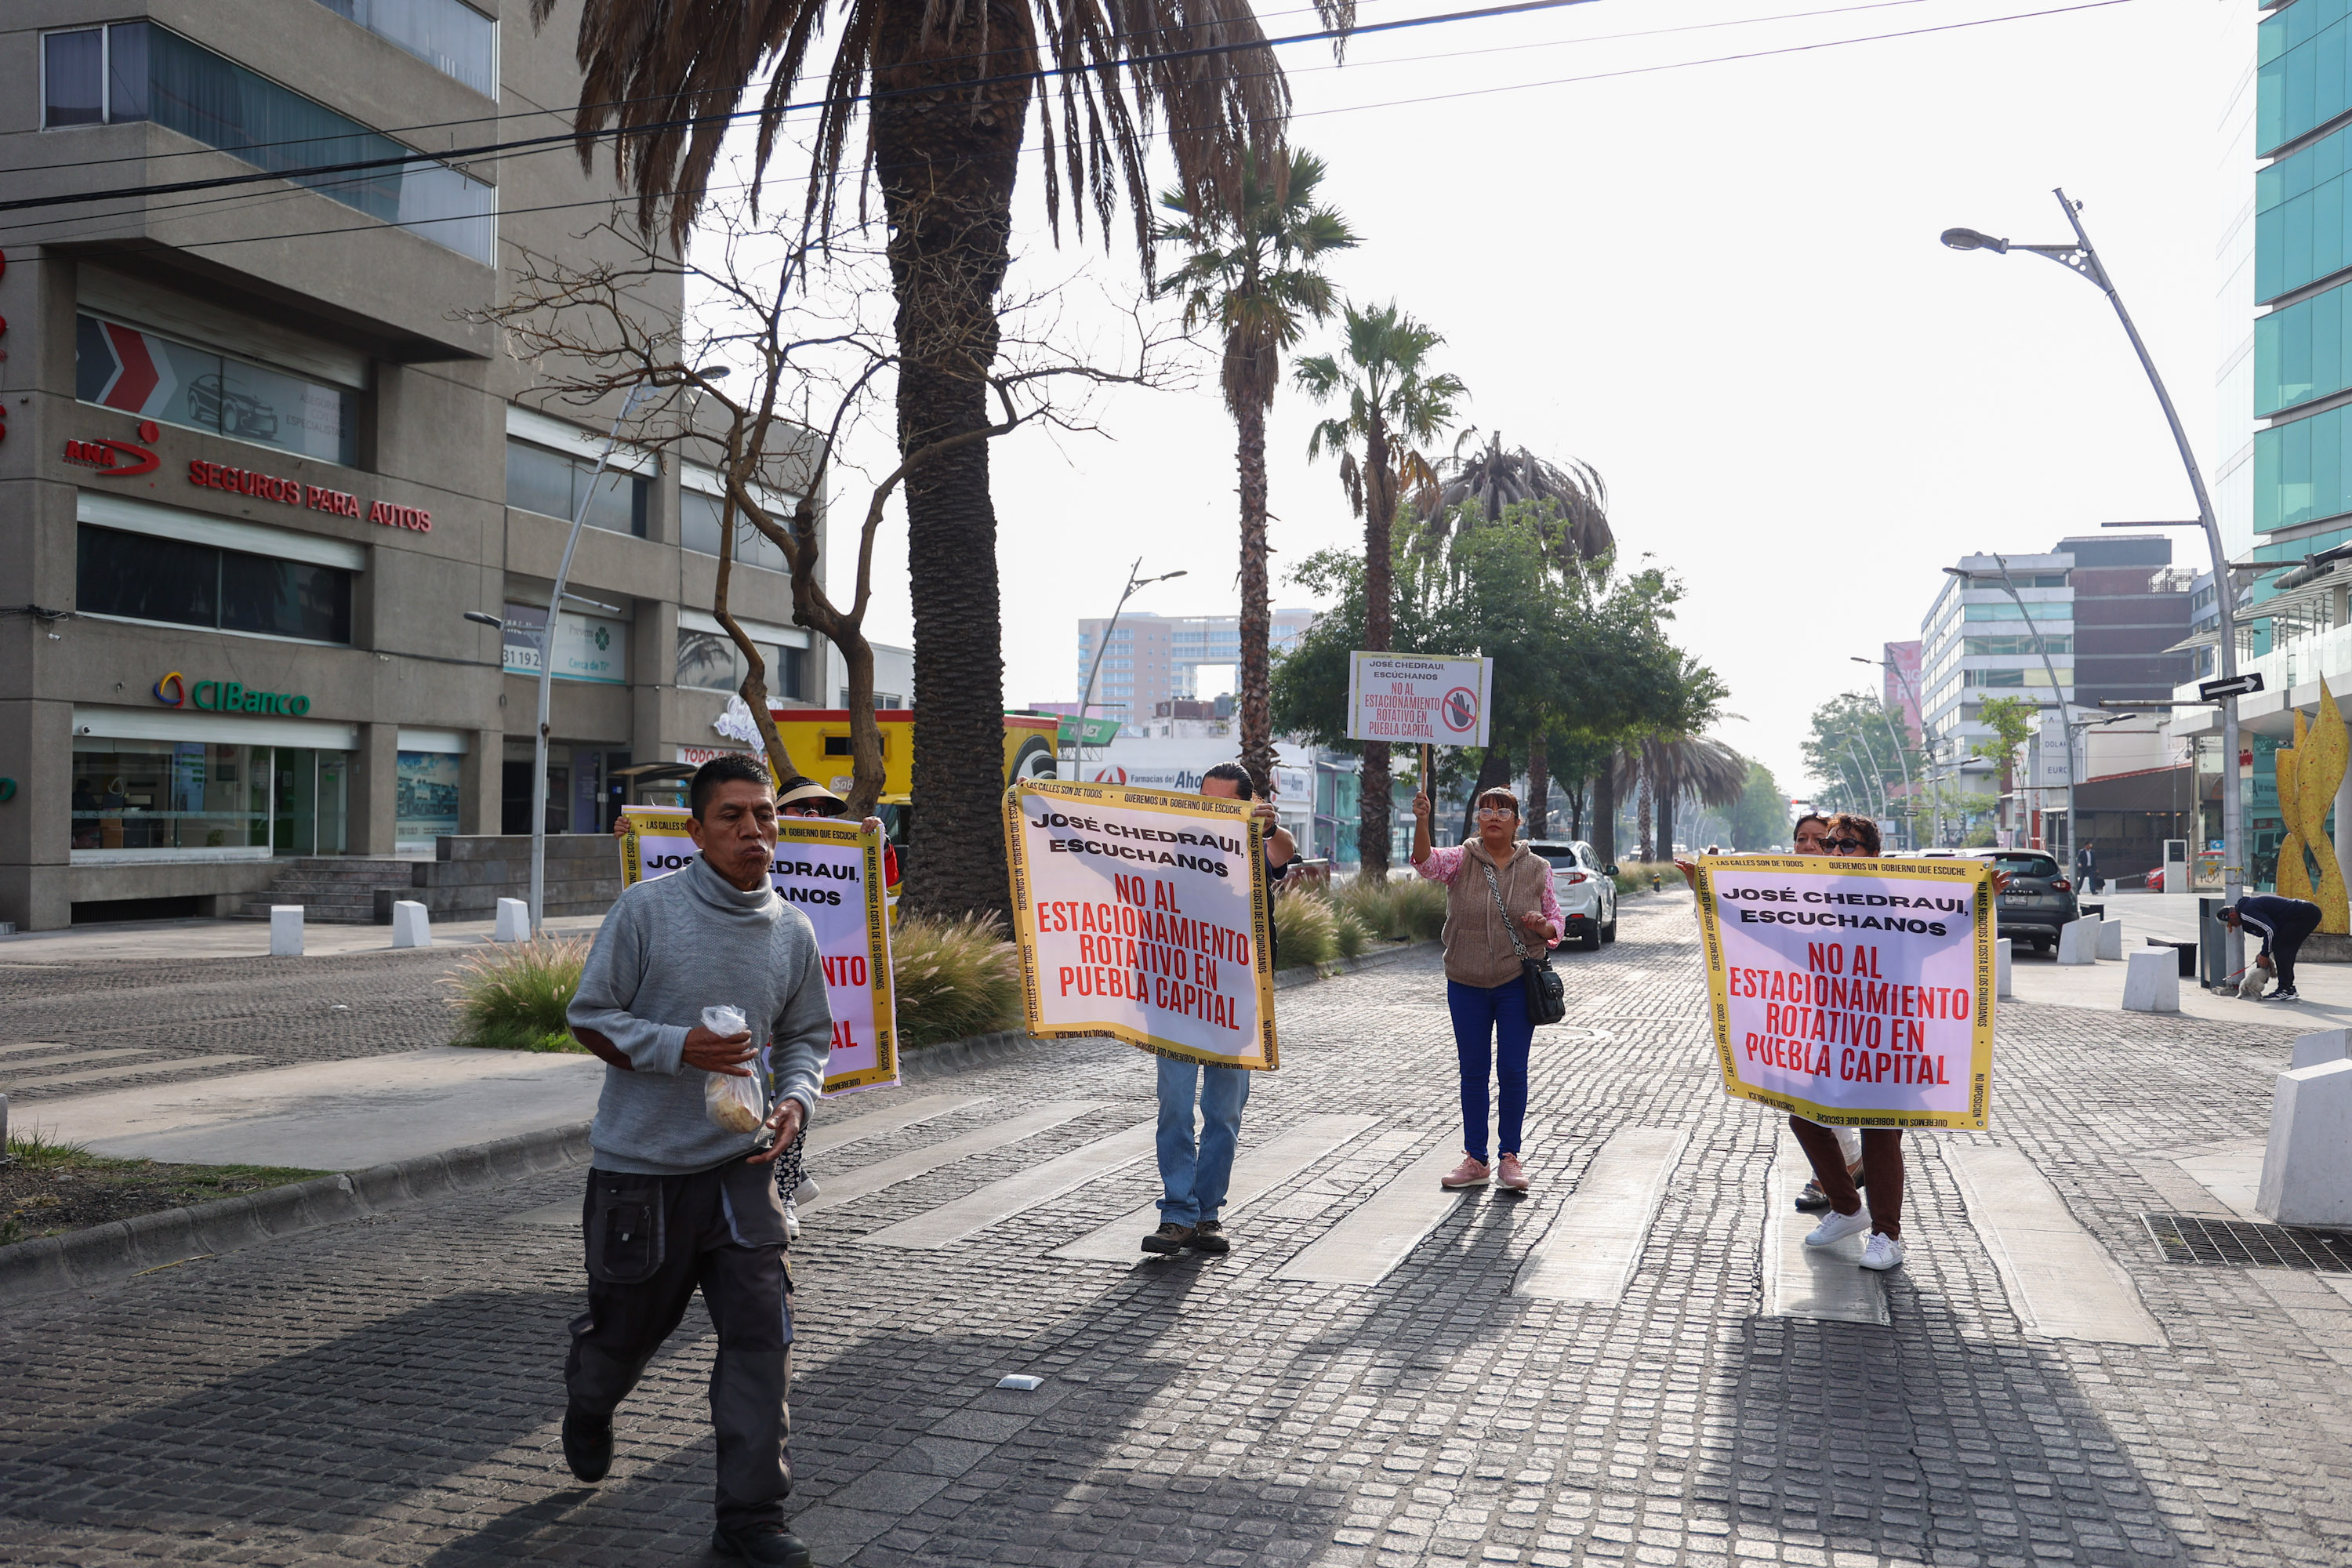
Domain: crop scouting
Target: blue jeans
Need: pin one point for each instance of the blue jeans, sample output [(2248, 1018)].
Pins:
[(1486, 1018), (1194, 1179)]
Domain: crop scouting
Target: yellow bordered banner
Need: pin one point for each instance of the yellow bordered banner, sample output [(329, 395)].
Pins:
[(1853, 992), (832, 871), (1140, 914)]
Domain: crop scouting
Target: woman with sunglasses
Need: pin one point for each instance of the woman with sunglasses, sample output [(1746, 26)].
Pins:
[(1492, 877), (1856, 837)]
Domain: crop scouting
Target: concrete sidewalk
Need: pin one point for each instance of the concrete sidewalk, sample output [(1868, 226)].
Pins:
[(333, 1116), (2326, 988), (153, 939)]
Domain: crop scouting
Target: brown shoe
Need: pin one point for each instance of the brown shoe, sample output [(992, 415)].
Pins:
[(1469, 1174), (1169, 1237)]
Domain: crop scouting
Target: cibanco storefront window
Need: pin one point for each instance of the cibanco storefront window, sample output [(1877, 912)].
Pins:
[(140, 799)]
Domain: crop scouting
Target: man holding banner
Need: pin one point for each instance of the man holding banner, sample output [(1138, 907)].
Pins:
[(1854, 992), (1144, 914)]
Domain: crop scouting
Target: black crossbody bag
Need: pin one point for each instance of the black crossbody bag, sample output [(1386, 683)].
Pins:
[(1546, 996)]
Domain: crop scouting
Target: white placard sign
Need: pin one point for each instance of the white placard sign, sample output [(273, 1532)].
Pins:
[(1416, 699)]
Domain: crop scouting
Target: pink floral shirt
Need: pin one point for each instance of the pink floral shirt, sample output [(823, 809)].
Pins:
[(1444, 865)]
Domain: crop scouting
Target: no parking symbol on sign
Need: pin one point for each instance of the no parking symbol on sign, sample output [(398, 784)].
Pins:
[(1419, 700)]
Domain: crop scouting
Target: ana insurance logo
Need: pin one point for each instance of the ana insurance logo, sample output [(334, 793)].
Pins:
[(172, 691), (116, 459)]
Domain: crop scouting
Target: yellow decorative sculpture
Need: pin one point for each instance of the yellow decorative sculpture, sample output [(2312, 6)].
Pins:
[(2293, 878), (2321, 753)]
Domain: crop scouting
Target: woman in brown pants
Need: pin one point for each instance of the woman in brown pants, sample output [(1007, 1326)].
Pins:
[(1882, 1147)]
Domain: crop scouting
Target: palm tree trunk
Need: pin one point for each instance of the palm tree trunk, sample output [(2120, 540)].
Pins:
[(1380, 588), (1604, 811), (1666, 823), (1257, 621), (946, 163), (1647, 846), (1574, 790), (1538, 789)]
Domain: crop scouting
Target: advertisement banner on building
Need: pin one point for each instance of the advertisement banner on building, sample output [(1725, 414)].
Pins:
[(587, 648), (1139, 914), (831, 872), (1416, 699), (1853, 992)]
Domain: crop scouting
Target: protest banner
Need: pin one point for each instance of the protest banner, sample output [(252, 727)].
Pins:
[(831, 872), (1853, 992), (1419, 700), (1137, 914)]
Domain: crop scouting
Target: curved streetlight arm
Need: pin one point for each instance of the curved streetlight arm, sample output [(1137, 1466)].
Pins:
[(1086, 698)]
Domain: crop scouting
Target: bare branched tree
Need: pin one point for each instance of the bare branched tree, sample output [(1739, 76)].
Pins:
[(803, 380)]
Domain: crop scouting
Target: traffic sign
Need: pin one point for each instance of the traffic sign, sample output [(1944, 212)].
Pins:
[(2244, 685)]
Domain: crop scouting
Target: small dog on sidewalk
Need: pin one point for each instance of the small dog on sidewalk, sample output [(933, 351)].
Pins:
[(2252, 979)]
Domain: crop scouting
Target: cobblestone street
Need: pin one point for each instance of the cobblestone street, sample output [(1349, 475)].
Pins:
[(389, 1392)]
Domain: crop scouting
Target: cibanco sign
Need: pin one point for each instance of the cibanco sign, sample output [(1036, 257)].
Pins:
[(176, 691)]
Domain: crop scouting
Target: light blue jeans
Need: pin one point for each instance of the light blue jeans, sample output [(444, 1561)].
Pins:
[(1193, 1178)]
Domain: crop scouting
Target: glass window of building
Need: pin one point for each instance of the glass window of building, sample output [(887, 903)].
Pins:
[(2299, 473), (709, 661), (205, 800), (2302, 353), (156, 377), (550, 482), (2305, 70), (699, 521), (425, 798), (454, 40), (145, 72), (141, 577)]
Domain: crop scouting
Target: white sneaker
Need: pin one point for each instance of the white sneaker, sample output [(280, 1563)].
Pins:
[(1835, 1228), (792, 1220), (1883, 1253)]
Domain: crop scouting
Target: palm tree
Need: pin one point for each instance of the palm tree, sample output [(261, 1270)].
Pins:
[(1569, 505), (947, 92), (1672, 766), (1394, 409), (1250, 269)]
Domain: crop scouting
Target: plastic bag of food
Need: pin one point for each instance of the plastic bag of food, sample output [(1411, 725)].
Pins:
[(734, 1103)]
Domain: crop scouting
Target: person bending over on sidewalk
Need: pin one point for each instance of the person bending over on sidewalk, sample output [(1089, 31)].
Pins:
[(1194, 1175), (1882, 1147), (675, 1201), (2282, 923), (1485, 989)]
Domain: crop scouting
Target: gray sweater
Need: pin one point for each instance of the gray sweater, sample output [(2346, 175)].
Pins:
[(670, 948)]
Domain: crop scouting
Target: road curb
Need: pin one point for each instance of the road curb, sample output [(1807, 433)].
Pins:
[(121, 1249)]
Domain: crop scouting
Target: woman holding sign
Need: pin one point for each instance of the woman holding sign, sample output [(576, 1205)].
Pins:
[(1488, 880), (1882, 1147)]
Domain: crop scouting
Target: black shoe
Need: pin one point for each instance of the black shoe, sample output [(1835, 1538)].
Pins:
[(1813, 1200), (1169, 1238), (1209, 1236), (766, 1543), (587, 1444)]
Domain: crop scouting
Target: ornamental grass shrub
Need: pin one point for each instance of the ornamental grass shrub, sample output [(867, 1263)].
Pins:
[(954, 978), (1410, 909), (1633, 875), (513, 996), (1305, 929)]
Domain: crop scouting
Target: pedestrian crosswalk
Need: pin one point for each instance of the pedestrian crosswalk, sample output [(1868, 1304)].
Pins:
[(1591, 1251), (864, 1181), (1258, 1169)]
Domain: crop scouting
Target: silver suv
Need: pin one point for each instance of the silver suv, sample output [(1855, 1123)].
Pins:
[(1587, 892)]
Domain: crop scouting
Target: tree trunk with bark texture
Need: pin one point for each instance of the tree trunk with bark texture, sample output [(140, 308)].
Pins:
[(1257, 620), (1494, 772), (1379, 518), (1647, 844), (1666, 826), (1538, 790), (946, 163), (1604, 812)]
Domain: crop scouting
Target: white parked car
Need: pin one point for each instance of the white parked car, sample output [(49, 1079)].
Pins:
[(1587, 892)]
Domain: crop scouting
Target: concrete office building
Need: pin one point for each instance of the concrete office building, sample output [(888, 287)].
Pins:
[(1151, 659), (258, 460)]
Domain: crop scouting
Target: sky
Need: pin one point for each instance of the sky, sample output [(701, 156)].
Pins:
[(1719, 284)]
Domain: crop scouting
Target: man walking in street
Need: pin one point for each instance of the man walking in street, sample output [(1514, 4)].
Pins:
[(1194, 1174), (2282, 923), (677, 1203)]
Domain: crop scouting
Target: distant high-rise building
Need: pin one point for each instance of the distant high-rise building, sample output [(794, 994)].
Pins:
[(1898, 673), (1151, 659)]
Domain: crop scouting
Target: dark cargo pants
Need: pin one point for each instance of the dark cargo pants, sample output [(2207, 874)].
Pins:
[(652, 1241)]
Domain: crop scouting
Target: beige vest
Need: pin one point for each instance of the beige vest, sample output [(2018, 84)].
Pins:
[(1478, 949)]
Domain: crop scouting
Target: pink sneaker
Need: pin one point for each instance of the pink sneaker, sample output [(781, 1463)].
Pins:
[(1513, 1176), (1469, 1174)]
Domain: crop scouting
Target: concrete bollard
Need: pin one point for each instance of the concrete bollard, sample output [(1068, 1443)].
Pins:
[(2307, 1169), (285, 930), (2000, 970), (514, 921), (2321, 1047), (2111, 936), (2078, 942), (411, 926), (2152, 982)]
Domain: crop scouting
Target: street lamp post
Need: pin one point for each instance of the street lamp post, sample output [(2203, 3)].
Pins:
[(1896, 737), (1086, 698), (2080, 257)]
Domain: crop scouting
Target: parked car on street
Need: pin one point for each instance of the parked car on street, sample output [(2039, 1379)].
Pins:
[(2039, 898), (1587, 892)]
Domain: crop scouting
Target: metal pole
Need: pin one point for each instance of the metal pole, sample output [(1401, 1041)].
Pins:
[(547, 672), (2224, 596), (1910, 816), (2065, 717), (1086, 698)]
